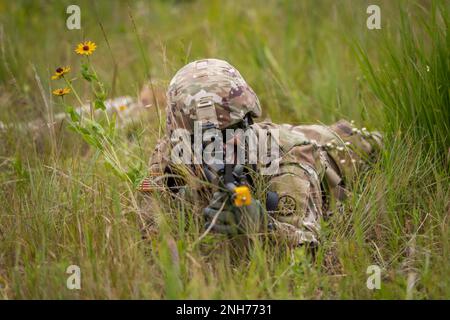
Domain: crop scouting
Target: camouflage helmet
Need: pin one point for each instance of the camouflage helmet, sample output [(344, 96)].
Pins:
[(209, 91)]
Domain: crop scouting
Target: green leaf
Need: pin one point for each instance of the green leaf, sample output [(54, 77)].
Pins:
[(99, 104), (97, 128), (87, 74), (136, 174), (74, 116), (101, 93), (92, 141), (111, 166)]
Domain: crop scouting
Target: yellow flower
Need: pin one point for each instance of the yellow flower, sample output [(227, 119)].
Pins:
[(86, 48), (123, 108), (61, 91), (61, 71), (242, 196)]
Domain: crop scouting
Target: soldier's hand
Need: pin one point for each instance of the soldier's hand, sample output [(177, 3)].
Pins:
[(224, 217)]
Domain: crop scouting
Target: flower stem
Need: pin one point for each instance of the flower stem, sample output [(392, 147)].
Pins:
[(74, 91)]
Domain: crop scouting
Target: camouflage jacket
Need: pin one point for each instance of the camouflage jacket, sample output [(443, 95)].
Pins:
[(316, 165)]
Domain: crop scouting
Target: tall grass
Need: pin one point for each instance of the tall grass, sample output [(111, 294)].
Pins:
[(412, 81), (61, 206)]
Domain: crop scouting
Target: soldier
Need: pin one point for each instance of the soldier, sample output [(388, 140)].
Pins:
[(315, 164)]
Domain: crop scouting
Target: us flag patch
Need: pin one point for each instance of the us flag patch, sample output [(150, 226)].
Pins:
[(145, 185)]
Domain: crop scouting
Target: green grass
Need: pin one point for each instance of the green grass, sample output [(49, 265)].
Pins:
[(308, 61)]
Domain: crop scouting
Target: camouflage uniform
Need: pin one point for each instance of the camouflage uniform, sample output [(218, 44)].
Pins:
[(316, 162)]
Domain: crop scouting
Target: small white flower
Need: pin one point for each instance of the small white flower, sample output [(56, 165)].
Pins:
[(428, 68)]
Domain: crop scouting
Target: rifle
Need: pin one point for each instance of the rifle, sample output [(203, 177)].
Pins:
[(228, 176), (234, 177)]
